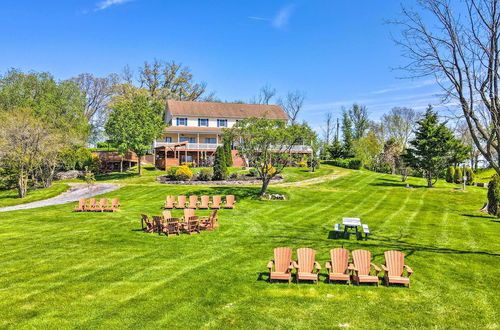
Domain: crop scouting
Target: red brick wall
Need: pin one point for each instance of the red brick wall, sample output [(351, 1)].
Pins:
[(237, 160)]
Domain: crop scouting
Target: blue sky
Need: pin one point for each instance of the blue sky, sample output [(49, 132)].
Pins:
[(337, 52)]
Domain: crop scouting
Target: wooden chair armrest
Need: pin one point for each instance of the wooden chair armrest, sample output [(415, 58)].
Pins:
[(295, 265), (318, 266), (385, 268), (328, 265), (351, 267), (270, 265), (290, 267), (408, 269), (377, 270)]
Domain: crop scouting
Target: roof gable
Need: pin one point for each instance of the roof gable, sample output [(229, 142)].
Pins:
[(225, 110)]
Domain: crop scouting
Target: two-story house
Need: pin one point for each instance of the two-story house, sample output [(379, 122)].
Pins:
[(193, 130)]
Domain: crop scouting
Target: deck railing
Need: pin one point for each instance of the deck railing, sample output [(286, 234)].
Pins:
[(213, 146)]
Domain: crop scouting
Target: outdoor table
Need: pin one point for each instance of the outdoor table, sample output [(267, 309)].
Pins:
[(350, 223)]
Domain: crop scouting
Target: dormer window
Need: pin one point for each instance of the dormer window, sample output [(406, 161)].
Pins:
[(203, 122), (182, 121), (221, 122)]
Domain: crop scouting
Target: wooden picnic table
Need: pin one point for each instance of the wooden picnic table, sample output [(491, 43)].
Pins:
[(351, 223)]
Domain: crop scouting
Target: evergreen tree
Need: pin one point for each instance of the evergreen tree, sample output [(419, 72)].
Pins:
[(335, 150), (458, 175), (431, 148), (220, 164), (347, 132), (227, 149)]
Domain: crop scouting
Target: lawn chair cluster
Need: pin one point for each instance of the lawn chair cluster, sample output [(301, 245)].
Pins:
[(92, 205), (189, 224), (203, 203), (359, 269)]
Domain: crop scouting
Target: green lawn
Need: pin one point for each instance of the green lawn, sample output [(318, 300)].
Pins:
[(60, 269), (9, 197), (485, 174)]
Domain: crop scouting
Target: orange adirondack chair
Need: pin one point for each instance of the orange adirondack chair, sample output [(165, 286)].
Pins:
[(205, 200), (282, 263), (158, 226), (172, 226), (92, 205), (307, 267), (115, 204), (216, 200), (193, 202), (166, 214), (338, 266), (230, 201), (169, 202), (81, 206), (362, 267), (188, 213), (192, 226), (394, 268), (103, 204), (210, 222), (146, 224), (181, 202)]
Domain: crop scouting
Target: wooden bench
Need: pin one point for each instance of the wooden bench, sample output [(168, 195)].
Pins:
[(366, 230), (336, 230)]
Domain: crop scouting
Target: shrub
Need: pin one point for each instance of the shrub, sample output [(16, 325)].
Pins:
[(494, 196), (354, 164), (301, 164), (450, 174), (227, 149), (184, 173), (171, 173), (205, 174), (253, 172), (351, 163), (220, 165), (458, 174), (233, 175), (188, 164), (470, 175)]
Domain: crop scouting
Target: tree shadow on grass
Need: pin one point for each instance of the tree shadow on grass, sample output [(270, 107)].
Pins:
[(114, 176), (478, 216)]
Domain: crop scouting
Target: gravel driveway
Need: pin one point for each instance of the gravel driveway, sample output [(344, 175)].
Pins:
[(76, 191)]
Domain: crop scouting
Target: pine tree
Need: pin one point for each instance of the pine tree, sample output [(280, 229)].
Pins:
[(431, 149), (347, 132), (220, 164), (228, 155)]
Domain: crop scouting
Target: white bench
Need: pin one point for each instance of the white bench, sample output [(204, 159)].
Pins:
[(366, 230), (336, 230)]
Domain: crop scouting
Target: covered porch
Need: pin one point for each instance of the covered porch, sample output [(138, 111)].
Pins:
[(175, 154)]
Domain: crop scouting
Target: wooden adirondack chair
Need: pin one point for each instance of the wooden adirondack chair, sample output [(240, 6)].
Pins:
[(193, 202), (229, 202), (166, 214), (103, 204), (92, 205), (210, 222), (205, 200), (146, 224), (362, 267), (192, 226), (307, 268), (158, 226), (169, 202), (216, 201), (188, 213), (81, 206), (115, 204), (181, 202), (282, 263), (172, 226), (338, 266), (394, 268)]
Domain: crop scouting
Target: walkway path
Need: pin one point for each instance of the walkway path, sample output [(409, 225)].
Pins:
[(76, 191)]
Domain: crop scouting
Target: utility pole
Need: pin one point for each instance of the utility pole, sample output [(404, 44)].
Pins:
[(337, 133)]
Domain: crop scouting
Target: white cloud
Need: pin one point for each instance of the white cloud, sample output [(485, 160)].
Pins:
[(108, 3), (283, 16), (257, 18)]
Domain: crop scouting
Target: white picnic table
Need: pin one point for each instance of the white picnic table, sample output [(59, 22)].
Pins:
[(351, 223)]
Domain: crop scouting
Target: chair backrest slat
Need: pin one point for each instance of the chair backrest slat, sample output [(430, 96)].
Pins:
[(394, 260), (282, 259), (305, 258)]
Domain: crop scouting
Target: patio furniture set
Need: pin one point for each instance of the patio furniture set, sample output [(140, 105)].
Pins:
[(93, 206), (189, 224)]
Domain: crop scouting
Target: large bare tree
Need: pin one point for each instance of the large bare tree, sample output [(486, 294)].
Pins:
[(457, 43), (266, 93), (292, 103), (399, 123), (329, 128)]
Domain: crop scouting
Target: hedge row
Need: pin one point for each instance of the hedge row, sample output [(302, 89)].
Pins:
[(351, 163)]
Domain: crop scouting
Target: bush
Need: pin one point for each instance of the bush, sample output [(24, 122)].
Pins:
[(184, 173), (450, 174), (171, 173), (301, 164), (253, 172), (188, 164), (205, 174), (351, 163), (458, 174), (494, 196), (220, 164), (471, 176), (233, 175)]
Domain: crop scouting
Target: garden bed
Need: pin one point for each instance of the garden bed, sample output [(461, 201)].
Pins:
[(236, 182)]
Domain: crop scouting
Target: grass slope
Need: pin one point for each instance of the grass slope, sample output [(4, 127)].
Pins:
[(9, 197), (63, 269)]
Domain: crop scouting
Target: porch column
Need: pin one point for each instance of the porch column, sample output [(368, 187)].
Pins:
[(178, 137)]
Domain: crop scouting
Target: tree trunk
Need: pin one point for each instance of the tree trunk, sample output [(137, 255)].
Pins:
[(121, 165), (393, 170), (22, 185), (263, 189), (404, 175), (429, 180), (139, 163)]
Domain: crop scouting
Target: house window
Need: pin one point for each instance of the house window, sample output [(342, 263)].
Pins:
[(203, 122), (188, 159), (210, 140), (187, 139), (182, 121), (168, 139), (221, 122)]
